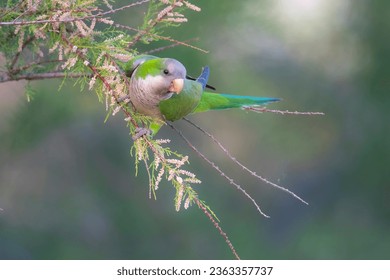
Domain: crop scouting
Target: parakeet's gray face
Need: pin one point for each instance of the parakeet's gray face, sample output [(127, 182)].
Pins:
[(160, 77), (172, 78)]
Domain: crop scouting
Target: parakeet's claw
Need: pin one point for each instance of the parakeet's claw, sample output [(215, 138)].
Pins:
[(141, 131), (124, 98)]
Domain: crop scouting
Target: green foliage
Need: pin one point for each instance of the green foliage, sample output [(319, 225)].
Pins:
[(166, 163), (51, 39)]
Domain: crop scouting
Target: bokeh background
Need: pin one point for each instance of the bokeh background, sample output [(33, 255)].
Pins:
[(68, 185)]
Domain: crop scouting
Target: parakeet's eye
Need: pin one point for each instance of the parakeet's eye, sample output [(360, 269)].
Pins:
[(166, 71)]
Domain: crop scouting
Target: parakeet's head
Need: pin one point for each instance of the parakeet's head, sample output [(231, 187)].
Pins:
[(161, 77)]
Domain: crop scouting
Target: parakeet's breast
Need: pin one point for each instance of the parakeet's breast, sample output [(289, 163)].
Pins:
[(182, 104), (144, 96)]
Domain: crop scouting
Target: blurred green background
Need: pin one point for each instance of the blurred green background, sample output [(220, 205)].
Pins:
[(67, 182)]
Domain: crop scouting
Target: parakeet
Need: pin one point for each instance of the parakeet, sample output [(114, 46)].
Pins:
[(160, 88)]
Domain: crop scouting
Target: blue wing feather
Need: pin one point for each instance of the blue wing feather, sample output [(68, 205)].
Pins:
[(204, 77)]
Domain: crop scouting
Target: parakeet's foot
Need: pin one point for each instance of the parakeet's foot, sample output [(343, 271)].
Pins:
[(141, 131), (123, 98)]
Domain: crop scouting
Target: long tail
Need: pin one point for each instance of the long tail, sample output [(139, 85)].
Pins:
[(220, 101)]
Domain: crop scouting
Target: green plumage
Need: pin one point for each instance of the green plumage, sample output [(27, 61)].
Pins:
[(150, 80), (180, 105), (154, 66)]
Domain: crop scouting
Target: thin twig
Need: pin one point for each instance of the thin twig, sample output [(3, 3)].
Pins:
[(153, 23), (159, 37), (16, 57), (149, 177), (218, 227), (214, 166), (65, 20), (35, 63), (40, 76), (243, 166), (170, 46), (282, 112), (122, 8)]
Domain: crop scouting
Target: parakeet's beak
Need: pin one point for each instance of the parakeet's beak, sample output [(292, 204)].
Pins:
[(176, 86)]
